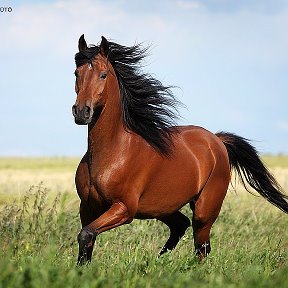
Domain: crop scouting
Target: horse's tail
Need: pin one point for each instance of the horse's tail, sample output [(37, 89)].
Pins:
[(244, 158)]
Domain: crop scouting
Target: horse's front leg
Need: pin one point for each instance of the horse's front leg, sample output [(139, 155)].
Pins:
[(91, 206), (115, 216), (88, 215)]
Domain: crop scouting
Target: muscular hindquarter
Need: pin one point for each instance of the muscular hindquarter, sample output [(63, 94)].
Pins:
[(181, 178)]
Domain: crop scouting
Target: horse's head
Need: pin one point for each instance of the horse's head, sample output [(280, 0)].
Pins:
[(91, 75)]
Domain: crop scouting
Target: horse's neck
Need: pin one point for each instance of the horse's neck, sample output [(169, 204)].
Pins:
[(104, 133)]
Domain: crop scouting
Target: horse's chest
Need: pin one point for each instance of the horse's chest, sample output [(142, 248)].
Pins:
[(108, 185)]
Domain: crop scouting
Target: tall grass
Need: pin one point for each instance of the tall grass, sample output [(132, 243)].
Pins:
[(39, 247)]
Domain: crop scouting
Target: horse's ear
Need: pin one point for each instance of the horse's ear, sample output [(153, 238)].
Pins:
[(104, 47), (82, 45)]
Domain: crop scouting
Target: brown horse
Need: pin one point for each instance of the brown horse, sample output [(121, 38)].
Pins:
[(139, 165)]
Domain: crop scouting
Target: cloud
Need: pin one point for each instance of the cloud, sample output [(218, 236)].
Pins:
[(228, 6), (221, 56), (54, 25)]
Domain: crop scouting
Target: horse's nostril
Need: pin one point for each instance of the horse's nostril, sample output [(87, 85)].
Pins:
[(74, 110), (87, 111), (82, 114)]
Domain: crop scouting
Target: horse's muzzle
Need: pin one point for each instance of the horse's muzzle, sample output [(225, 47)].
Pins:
[(82, 115)]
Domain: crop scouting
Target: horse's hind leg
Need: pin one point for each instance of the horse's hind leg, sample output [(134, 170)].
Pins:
[(206, 209), (177, 223)]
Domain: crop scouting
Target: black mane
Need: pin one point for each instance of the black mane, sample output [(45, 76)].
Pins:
[(148, 107)]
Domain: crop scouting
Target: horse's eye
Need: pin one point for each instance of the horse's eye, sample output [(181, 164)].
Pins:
[(103, 75)]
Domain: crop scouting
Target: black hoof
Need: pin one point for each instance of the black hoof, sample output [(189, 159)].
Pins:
[(203, 250), (164, 250), (82, 260), (86, 239)]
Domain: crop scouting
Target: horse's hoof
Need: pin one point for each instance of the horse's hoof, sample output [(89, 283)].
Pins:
[(86, 239), (203, 250), (81, 261)]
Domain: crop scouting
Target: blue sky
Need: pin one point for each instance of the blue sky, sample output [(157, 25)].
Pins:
[(228, 58)]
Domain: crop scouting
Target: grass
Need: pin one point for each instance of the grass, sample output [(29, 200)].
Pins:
[(39, 225)]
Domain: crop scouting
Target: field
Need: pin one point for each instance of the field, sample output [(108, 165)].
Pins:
[(39, 223)]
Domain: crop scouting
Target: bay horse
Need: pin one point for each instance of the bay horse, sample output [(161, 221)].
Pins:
[(139, 164)]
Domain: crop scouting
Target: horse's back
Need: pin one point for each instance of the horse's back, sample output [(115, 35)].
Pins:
[(201, 143), (196, 135)]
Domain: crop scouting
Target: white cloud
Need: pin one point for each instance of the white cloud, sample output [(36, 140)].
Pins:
[(55, 27), (211, 56)]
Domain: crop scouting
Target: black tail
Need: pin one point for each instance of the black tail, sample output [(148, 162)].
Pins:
[(245, 160)]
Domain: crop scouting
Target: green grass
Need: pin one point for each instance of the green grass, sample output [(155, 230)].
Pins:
[(39, 248)]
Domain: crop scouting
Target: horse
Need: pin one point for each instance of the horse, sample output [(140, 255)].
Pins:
[(140, 165)]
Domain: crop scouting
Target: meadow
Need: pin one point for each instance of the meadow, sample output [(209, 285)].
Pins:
[(39, 223)]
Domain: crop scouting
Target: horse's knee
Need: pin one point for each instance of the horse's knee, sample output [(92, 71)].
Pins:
[(200, 220), (201, 230)]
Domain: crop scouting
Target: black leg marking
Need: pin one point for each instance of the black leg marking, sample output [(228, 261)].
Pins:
[(178, 223), (202, 250), (86, 240)]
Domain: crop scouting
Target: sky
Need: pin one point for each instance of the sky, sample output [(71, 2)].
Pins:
[(228, 59)]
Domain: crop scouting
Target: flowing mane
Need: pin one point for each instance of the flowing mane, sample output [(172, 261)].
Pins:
[(148, 107)]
